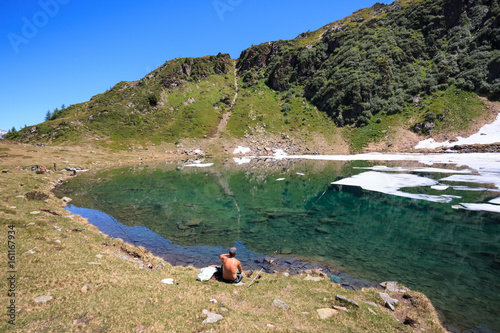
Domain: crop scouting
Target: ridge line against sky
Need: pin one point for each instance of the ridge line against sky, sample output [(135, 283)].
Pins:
[(58, 52)]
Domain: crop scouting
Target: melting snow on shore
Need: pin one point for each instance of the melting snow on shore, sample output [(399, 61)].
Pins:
[(481, 168), (241, 150), (198, 164), (489, 133)]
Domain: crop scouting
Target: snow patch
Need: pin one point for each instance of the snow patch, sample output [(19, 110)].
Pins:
[(478, 179), (279, 153), (242, 160), (410, 169), (489, 133), (199, 165), (392, 183), (440, 187), (478, 207), (241, 150)]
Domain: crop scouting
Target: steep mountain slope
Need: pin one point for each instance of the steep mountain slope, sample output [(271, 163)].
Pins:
[(414, 64), (380, 58)]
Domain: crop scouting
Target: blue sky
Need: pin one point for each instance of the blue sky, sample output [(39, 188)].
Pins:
[(56, 52)]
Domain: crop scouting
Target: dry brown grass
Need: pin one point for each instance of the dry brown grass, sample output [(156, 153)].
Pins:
[(123, 297)]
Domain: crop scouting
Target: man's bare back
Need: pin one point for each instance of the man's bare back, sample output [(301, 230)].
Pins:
[(230, 266)]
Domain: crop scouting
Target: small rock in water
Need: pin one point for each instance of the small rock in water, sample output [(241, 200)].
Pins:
[(211, 317), (334, 278), (43, 299), (483, 328), (280, 304), (322, 230), (194, 222)]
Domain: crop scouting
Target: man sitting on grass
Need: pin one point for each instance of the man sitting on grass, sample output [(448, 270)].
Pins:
[(231, 266)]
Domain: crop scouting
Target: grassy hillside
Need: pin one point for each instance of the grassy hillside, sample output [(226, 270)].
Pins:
[(183, 98)]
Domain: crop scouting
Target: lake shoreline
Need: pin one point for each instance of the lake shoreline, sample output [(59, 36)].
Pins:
[(182, 262), (202, 256)]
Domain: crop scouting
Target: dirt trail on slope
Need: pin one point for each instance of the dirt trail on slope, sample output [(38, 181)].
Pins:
[(225, 117)]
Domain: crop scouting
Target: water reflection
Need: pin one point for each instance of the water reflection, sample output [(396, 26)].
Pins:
[(450, 255)]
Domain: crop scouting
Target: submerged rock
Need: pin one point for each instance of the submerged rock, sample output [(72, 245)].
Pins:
[(194, 222)]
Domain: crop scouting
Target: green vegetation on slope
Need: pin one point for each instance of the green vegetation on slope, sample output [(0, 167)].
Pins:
[(182, 98), (261, 109), (378, 59), (442, 112)]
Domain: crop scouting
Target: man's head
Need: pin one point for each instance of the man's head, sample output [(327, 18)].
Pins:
[(232, 252)]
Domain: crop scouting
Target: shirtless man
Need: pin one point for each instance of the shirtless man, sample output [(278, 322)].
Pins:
[(231, 266)]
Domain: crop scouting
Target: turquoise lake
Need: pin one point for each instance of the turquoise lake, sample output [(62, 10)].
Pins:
[(417, 234)]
